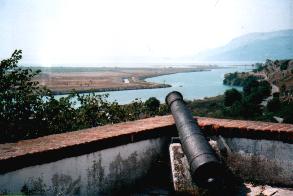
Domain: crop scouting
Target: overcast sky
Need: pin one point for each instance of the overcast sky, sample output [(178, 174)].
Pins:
[(84, 31)]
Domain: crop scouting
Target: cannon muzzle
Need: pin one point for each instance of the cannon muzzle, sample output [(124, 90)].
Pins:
[(205, 167)]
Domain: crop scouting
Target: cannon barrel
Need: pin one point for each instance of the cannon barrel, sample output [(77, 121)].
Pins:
[(205, 167)]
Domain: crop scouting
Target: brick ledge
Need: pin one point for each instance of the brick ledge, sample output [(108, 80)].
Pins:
[(58, 146)]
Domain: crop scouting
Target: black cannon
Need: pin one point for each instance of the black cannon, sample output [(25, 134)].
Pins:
[(205, 167)]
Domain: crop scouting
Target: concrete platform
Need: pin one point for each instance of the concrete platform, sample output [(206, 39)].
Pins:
[(183, 184)]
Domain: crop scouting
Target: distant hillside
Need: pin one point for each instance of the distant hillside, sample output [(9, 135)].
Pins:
[(253, 47), (278, 72)]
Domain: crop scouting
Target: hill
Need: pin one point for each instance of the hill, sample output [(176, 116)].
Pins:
[(253, 47), (278, 72)]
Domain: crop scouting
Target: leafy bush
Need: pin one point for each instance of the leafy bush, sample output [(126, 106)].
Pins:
[(238, 79), (256, 90), (152, 105), (259, 67), (231, 96), (20, 100), (284, 65), (273, 105), (287, 112)]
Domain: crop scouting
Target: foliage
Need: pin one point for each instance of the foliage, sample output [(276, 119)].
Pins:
[(95, 110), (283, 88), (238, 79), (287, 112), (284, 65), (20, 99), (231, 96), (152, 104), (211, 107), (250, 85), (59, 115), (256, 90), (273, 105), (248, 105), (259, 67)]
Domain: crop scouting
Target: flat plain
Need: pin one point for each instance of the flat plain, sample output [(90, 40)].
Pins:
[(64, 80)]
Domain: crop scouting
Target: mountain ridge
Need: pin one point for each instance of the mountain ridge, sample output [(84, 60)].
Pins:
[(253, 46)]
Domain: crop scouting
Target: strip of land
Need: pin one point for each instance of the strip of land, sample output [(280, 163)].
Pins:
[(63, 81)]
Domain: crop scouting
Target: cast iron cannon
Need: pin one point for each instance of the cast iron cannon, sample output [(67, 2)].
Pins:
[(205, 167)]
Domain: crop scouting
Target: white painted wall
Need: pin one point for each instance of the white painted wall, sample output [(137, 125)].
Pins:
[(91, 174), (266, 161), (270, 162)]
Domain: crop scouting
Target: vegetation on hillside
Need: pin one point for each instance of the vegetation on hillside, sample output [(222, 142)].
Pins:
[(278, 72), (250, 104), (238, 78), (235, 104), (208, 107)]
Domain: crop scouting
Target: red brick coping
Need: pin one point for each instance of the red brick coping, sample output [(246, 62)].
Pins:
[(55, 147)]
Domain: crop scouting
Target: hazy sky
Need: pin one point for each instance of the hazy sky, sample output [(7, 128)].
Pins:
[(84, 31)]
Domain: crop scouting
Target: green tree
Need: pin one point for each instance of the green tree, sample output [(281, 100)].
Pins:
[(20, 100), (236, 110), (231, 96), (96, 110), (58, 115), (249, 85), (256, 91), (265, 88), (283, 89), (251, 107), (284, 65), (274, 105), (152, 105), (135, 110), (287, 112)]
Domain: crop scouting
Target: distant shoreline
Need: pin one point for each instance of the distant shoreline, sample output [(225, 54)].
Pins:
[(110, 80), (144, 85), (112, 89)]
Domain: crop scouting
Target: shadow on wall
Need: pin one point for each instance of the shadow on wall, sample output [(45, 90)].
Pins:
[(121, 170)]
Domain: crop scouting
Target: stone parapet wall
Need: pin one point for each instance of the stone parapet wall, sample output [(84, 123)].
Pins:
[(247, 129), (59, 146)]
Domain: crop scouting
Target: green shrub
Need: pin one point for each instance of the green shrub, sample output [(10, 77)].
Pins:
[(231, 96)]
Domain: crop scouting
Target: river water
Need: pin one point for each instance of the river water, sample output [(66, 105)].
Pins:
[(192, 85)]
